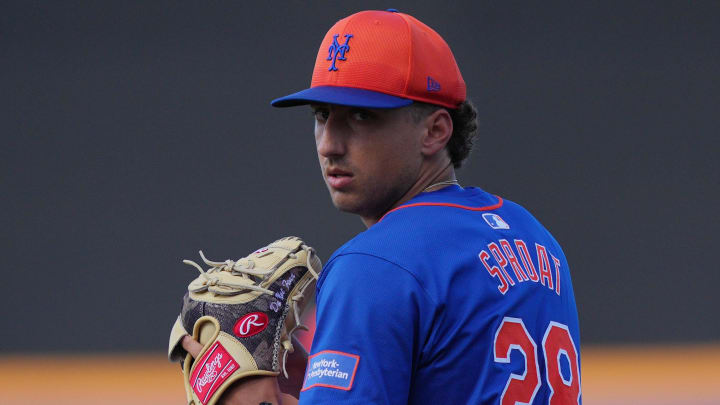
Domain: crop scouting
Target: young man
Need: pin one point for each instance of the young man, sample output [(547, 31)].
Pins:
[(452, 295)]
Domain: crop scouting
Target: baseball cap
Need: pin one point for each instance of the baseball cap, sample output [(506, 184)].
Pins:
[(382, 59)]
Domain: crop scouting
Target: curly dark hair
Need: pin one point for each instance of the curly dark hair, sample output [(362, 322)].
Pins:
[(464, 119)]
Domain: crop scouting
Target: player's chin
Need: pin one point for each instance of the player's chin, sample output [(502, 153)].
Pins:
[(340, 199), (345, 200)]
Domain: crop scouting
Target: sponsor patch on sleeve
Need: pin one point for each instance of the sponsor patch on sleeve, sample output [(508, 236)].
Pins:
[(331, 369)]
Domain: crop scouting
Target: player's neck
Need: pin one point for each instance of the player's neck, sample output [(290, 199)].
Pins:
[(439, 172)]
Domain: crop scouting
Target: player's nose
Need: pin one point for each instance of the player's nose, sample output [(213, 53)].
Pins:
[(330, 138)]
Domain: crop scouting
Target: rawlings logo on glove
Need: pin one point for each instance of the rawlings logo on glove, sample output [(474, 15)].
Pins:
[(250, 324)]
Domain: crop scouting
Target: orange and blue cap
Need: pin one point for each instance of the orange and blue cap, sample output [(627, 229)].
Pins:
[(382, 59)]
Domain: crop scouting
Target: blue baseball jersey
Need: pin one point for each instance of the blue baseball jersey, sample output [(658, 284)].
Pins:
[(455, 297)]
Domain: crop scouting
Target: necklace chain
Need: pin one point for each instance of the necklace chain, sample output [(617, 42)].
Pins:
[(441, 183)]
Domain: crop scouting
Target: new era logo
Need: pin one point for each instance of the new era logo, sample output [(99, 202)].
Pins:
[(432, 85), (495, 221)]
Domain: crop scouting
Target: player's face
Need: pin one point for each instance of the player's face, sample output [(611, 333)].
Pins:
[(370, 158)]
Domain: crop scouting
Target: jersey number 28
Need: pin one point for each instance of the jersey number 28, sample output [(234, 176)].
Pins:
[(557, 343)]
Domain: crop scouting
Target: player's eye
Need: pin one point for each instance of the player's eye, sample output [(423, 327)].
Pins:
[(321, 114), (361, 115)]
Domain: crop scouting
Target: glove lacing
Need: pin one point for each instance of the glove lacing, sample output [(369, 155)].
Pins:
[(245, 268)]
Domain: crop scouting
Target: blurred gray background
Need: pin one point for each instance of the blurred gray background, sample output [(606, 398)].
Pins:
[(135, 133)]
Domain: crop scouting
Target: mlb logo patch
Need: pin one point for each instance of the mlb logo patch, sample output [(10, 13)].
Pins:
[(495, 221), (331, 369)]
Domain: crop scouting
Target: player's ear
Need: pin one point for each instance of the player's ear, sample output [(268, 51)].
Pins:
[(438, 130)]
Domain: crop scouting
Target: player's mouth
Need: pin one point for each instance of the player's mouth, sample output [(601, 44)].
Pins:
[(338, 179)]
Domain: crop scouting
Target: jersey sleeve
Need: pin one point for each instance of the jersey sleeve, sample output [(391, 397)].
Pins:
[(371, 322)]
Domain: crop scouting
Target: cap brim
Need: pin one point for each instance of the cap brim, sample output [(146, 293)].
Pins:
[(342, 96)]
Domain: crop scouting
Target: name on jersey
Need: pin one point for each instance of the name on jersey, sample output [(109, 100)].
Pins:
[(511, 264)]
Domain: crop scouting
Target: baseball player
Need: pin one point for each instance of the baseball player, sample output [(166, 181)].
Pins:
[(452, 295)]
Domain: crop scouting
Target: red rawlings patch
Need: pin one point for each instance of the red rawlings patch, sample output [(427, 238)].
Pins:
[(213, 368), (250, 324)]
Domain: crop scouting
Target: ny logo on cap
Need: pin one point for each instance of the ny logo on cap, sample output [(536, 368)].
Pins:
[(337, 49)]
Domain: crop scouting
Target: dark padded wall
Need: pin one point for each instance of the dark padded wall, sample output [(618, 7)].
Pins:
[(135, 133)]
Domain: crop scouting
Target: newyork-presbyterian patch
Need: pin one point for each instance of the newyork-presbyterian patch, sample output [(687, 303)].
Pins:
[(331, 369)]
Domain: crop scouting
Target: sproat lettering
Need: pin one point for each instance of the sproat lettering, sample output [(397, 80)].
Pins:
[(514, 258)]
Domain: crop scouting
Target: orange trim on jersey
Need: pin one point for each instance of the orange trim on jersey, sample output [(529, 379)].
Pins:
[(431, 204)]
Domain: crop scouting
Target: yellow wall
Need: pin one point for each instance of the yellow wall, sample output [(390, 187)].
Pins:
[(655, 375)]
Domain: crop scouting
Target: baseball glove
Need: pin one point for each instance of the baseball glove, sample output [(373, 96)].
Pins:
[(244, 313)]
